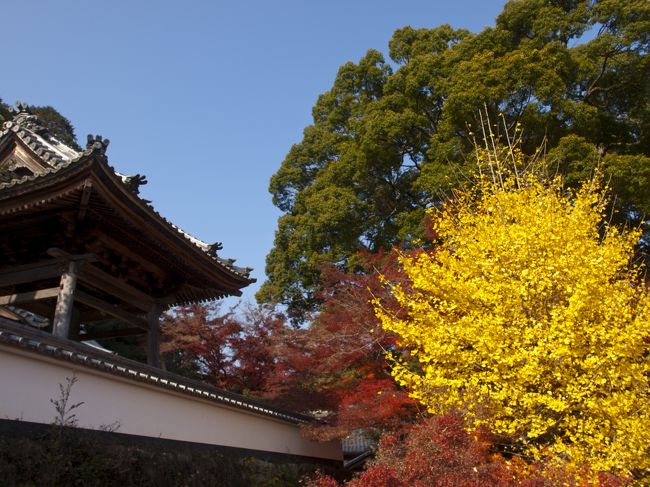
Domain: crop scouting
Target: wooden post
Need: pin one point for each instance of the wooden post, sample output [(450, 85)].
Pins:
[(153, 335), (65, 301)]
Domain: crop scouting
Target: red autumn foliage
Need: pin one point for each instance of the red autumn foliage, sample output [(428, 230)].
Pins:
[(378, 476), (437, 452), (195, 342), (337, 363), (253, 350), (229, 350), (321, 481)]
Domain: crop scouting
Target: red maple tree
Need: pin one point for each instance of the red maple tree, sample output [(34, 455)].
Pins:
[(336, 365), (231, 350)]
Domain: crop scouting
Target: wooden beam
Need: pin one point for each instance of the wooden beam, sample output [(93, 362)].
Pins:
[(98, 279), (31, 273), (108, 241), (30, 296), (85, 198), (100, 335), (63, 255), (103, 281), (65, 301), (112, 310)]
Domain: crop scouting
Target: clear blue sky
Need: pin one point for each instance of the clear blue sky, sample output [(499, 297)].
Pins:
[(203, 97)]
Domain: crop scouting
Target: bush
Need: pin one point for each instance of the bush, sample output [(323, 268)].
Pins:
[(68, 456)]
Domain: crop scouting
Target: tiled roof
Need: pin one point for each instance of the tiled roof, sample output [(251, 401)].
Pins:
[(49, 149), (55, 156), (357, 442), (36, 341)]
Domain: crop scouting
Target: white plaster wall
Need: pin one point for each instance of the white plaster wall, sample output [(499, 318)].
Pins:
[(28, 381)]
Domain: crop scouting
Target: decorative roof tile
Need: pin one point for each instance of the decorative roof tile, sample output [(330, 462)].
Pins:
[(38, 138)]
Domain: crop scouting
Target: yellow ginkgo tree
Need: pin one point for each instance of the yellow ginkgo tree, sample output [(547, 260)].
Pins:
[(530, 316)]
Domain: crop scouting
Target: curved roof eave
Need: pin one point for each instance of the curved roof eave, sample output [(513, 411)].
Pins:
[(61, 161)]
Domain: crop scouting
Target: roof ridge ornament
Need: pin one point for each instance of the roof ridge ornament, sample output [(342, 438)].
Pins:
[(134, 182), (97, 144), (214, 248), (24, 118), (21, 107)]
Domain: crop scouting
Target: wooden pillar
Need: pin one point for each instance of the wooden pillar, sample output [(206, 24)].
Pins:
[(65, 301), (153, 335)]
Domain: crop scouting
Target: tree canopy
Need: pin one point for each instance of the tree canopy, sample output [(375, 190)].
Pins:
[(390, 139), (531, 318)]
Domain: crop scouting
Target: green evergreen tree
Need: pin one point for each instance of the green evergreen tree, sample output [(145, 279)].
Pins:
[(387, 143)]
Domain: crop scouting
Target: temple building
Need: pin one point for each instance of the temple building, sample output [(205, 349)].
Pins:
[(79, 247)]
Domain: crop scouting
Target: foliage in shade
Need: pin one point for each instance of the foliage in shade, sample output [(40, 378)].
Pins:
[(337, 363), (63, 456), (386, 144), (530, 317)]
